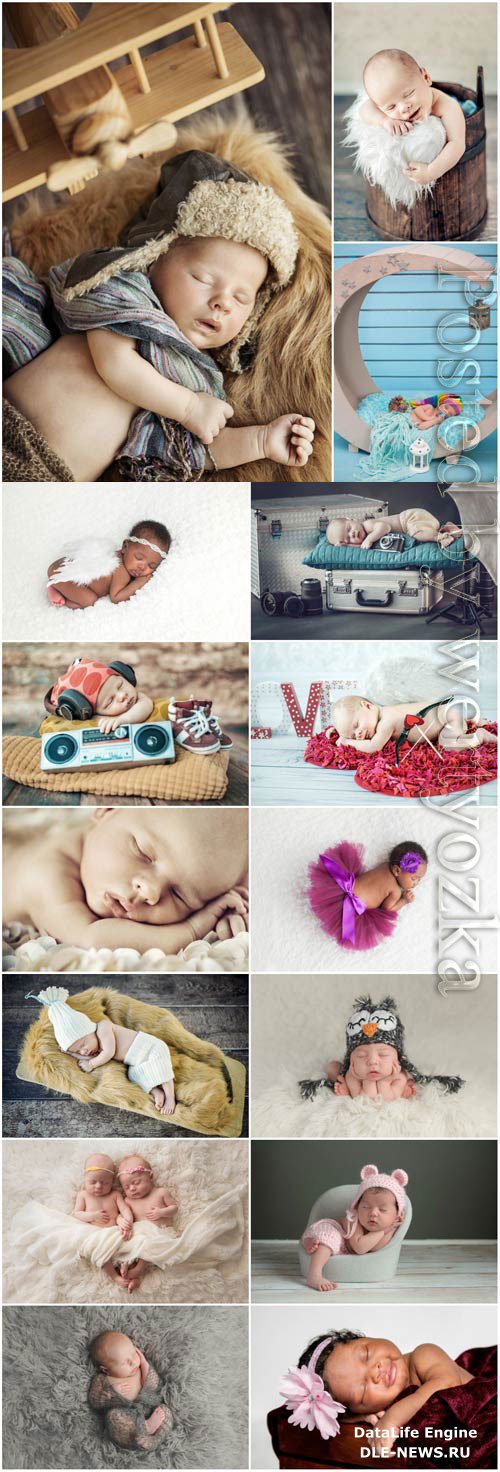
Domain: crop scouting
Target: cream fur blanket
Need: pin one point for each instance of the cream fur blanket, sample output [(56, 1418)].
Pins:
[(49, 1256), (382, 156)]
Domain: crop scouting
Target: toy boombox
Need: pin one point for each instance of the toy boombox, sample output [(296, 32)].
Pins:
[(126, 746)]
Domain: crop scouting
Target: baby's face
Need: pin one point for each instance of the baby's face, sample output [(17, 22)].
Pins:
[(116, 696), (358, 720), (403, 93), (377, 1210), (209, 288), (345, 533), (99, 1175), (156, 867), (366, 1375), (136, 1183), (409, 881), (139, 560), (119, 1357), (85, 1047), (373, 1061)]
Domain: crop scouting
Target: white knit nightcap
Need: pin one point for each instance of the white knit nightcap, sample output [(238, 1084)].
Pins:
[(68, 1024)]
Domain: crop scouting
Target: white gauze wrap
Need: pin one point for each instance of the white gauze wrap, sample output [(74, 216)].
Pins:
[(382, 156)]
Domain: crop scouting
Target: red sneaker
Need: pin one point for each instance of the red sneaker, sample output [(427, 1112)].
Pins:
[(185, 708), (191, 728)]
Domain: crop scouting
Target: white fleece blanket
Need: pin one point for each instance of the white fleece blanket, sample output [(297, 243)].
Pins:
[(45, 1235), (49, 1256), (199, 593), (382, 156), (286, 935)]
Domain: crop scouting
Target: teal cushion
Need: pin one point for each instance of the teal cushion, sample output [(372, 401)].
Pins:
[(417, 554)]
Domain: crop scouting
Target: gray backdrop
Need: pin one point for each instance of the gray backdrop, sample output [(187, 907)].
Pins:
[(452, 1183)]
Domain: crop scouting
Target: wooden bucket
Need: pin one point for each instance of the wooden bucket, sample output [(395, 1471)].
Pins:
[(457, 209)]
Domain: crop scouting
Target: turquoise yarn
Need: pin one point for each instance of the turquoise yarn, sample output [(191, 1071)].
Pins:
[(390, 455)]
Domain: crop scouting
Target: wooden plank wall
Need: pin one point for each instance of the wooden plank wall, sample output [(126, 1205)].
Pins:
[(399, 321)]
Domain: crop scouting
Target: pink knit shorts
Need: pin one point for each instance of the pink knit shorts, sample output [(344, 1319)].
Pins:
[(329, 1233)]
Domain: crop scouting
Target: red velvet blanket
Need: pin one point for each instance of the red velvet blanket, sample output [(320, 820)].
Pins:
[(423, 770)]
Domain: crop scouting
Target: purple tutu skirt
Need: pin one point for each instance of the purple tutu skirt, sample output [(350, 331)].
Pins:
[(332, 900)]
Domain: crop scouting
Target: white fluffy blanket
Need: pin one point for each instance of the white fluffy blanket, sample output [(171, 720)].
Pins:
[(49, 1256), (199, 593), (382, 156), (281, 1113)]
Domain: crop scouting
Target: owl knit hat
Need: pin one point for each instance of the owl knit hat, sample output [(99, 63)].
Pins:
[(379, 1023), (200, 195), (68, 1024), (373, 1179)]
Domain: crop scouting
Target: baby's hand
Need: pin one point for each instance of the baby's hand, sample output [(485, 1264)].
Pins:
[(340, 1086), (409, 897), (289, 440), (391, 126), (206, 416), (202, 921), (409, 1089), (110, 723), (419, 173), (125, 1227), (154, 1213), (101, 1216), (85, 1064)]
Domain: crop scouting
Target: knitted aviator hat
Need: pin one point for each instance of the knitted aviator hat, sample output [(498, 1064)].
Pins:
[(200, 195), (372, 1178), (373, 1022), (68, 1024)]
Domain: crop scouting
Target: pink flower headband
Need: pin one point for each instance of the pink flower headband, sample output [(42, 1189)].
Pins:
[(410, 862), (133, 1170), (312, 1407)]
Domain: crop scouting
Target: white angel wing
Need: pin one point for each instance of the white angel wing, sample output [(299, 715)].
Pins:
[(87, 559), (395, 679)]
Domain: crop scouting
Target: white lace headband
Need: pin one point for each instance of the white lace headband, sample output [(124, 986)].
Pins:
[(144, 543)]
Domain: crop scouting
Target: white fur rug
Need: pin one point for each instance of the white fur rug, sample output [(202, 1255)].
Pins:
[(382, 156), (286, 935), (50, 1171), (199, 593), (297, 1026)]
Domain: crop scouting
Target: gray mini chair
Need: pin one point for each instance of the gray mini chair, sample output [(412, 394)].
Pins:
[(375, 1267)]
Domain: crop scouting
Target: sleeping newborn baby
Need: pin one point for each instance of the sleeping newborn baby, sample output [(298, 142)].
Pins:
[(374, 1071), (98, 1205), (368, 727), (407, 132), (89, 688), (416, 522), (133, 877), (92, 568), (124, 1375), (369, 1224), (146, 1058), (146, 1202)]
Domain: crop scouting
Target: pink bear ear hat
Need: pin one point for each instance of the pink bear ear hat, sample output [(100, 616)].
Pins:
[(371, 1176)]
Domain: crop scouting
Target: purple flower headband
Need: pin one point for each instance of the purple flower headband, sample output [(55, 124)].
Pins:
[(312, 1407), (410, 862)]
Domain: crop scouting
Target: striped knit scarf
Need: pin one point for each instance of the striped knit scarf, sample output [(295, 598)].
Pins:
[(35, 313)]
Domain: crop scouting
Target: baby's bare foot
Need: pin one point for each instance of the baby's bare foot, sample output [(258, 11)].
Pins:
[(322, 1285), (163, 1097), (55, 597), (156, 1420)]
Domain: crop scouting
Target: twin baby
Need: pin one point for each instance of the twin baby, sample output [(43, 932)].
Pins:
[(134, 877), (136, 1198)]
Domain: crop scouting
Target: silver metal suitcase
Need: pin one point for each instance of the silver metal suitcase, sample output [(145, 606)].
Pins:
[(285, 529), (406, 590)]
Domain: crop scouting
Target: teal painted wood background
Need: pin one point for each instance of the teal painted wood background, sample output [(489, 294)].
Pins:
[(399, 321)]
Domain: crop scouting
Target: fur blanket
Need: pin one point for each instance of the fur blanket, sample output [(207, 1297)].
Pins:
[(202, 1356), (204, 1091), (382, 157), (203, 1254), (295, 333)]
